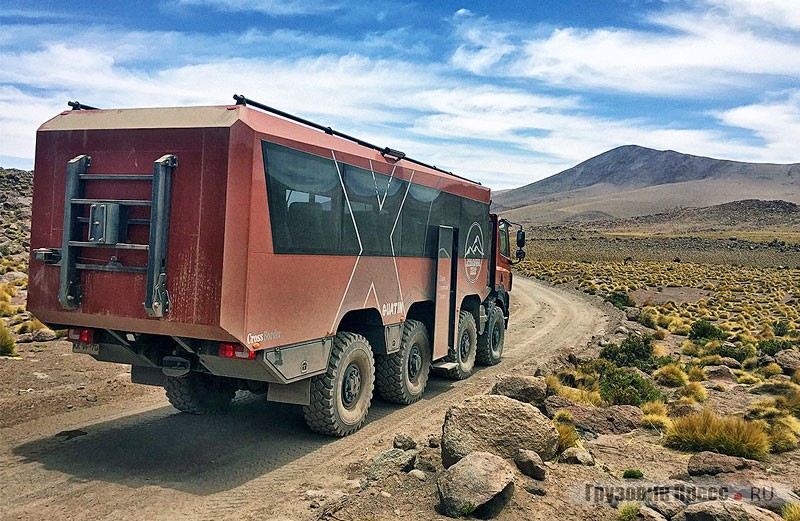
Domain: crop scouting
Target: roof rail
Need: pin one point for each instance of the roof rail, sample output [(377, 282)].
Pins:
[(385, 151), (77, 105)]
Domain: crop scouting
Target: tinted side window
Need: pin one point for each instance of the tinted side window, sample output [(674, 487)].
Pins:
[(304, 195), (474, 235), (416, 213), (503, 238)]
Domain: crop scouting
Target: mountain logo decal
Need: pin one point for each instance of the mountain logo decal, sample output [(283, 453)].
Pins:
[(474, 253)]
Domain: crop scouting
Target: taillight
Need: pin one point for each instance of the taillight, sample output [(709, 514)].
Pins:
[(229, 350), (81, 335)]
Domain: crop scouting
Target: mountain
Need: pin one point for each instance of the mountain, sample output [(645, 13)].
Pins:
[(631, 180)]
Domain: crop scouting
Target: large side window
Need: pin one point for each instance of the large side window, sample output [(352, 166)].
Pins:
[(416, 213), (374, 204), (474, 234), (304, 201)]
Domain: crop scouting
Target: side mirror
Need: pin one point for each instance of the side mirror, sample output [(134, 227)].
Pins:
[(520, 239)]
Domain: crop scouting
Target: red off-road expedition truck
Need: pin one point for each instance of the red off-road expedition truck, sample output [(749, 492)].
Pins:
[(238, 247)]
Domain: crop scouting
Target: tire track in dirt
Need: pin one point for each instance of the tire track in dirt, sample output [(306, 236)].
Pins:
[(143, 459)]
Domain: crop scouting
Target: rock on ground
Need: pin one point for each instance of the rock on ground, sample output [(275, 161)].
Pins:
[(44, 335), (576, 456), (404, 442), (648, 514), (528, 389), (721, 372), (530, 464), (616, 419), (727, 510), (711, 464), (496, 424), (390, 462), (788, 359), (474, 481)]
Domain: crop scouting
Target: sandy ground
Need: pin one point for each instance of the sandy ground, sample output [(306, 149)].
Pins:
[(128, 454)]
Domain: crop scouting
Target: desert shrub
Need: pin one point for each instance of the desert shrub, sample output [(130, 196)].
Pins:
[(8, 347), (627, 510), (770, 347), (709, 360), (671, 376), (567, 436), (750, 362), (771, 370), (697, 374), (775, 387), (621, 300), (690, 348), (623, 387), (598, 366), (655, 407), (694, 391), (706, 431), (648, 317), (632, 474), (634, 351), (679, 327), (703, 329), (765, 410), (739, 351), (780, 327), (791, 512), (789, 402), (556, 387)]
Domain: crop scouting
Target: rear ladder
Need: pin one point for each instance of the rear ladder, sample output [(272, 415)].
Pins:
[(108, 228)]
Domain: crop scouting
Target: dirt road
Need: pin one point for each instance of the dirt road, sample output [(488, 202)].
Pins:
[(142, 459)]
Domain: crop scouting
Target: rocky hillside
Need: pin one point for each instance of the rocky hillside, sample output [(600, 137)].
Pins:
[(16, 189)]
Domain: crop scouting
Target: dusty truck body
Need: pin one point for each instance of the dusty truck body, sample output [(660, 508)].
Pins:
[(224, 248)]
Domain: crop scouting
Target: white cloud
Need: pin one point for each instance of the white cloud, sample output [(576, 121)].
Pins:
[(269, 7)]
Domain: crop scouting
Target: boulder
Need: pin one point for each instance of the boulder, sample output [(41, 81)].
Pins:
[(553, 404), (719, 372), (664, 502), (496, 424), (710, 464), (530, 464), (528, 389), (633, 314), (616, 419), (731, 362), (678, 408), (648, 514), (728, 510), (471, 483), (44, 335), (390, 462), (576, 456), (788, 359), (404, 442)]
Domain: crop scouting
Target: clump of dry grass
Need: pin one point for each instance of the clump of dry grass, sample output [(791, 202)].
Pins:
[(694, 391), (655, 407), (771, 370), (627, 510), (727, 435), (8, 346), (791, 512), (671, 376), (796, 377), (776, 387), (697, 374), (567, 436), (555, 387)]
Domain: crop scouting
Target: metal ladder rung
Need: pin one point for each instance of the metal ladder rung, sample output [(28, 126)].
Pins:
[(115, 177), (119, 245), (128, 202), (106, 267), (130, 221)]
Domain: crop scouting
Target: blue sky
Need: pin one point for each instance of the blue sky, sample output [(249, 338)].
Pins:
[(506, 92)]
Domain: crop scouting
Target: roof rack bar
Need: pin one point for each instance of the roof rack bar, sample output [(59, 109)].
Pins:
[(242, 100), (77, 105)]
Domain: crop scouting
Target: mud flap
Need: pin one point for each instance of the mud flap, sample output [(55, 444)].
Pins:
[(298, 393)]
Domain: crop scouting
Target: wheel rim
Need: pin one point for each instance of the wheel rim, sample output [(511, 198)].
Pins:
[(351, 386), (496, 338), (464, 345), (414, 363)]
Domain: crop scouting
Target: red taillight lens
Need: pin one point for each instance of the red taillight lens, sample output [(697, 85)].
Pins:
[(228, 350), (81, 335)]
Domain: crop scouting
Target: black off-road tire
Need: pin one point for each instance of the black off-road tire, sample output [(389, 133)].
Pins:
[(329, 413), (401, 377), (467, 332), (198, 393), (490, 343)]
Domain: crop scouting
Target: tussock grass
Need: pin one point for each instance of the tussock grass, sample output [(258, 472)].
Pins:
[(555, 387), (8, 347), (567, 436), (796, 377), (697, 374), (791, 512), (748, 379), (670, 376), (656, 407), (727, 435), (658, 422), (776, 387), (627, 510), (694, 391), (771, 370)]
